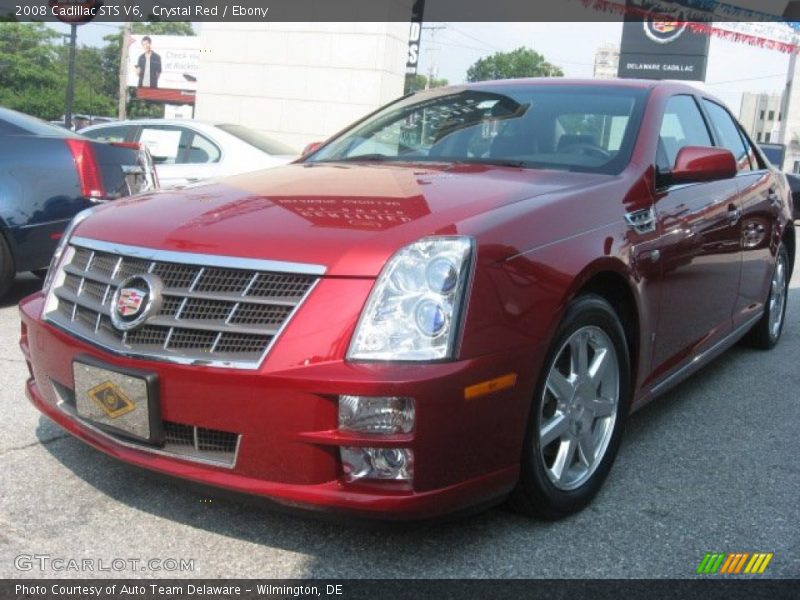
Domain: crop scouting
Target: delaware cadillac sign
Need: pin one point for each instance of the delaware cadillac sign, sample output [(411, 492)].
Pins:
[(661, 46)]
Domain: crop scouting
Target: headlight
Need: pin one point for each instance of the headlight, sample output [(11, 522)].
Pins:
[(414, 310), (62, 244), (54, 277)]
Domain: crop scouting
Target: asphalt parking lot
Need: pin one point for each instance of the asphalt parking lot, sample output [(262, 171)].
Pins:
[(710, 467)]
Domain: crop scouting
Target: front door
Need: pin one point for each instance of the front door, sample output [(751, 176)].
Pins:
[(700, 248)]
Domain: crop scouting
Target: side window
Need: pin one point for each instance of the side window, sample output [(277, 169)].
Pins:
[(682, 125), (110, 134), (755, 162), (165, 143), (728, 134), (201, 150)]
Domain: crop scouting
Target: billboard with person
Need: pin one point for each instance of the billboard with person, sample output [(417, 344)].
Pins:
[(163, 61)]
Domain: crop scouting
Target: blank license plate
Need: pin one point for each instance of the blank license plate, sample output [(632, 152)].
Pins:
[(114, 400)]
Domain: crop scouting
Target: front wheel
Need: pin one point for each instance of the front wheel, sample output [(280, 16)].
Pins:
[(578, 413), (766, 333)]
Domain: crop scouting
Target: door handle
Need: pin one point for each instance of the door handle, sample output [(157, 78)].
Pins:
[(734, 213)]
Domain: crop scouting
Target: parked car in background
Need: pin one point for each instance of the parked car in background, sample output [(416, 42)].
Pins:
[(81, 121), (456, 301), (774, 153), (48, 175), (187, 151), (794, 184)]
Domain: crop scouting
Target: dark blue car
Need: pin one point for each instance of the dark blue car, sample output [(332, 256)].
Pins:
[(47, 175)]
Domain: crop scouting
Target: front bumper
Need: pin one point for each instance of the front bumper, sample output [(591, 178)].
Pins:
[(466, 452)]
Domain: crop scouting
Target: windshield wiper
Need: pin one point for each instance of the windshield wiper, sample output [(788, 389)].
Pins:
[(360, 157), (499, 162)]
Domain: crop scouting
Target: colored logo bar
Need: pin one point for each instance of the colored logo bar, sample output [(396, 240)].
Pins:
[(734, 563)]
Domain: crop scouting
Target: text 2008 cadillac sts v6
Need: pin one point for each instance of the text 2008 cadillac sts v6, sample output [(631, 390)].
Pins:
[(459, 299)]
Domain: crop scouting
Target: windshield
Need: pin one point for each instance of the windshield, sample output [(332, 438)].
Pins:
[(578, 128)]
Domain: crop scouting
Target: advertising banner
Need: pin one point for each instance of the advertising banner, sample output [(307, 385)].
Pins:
[(165, 62), (663, 46)]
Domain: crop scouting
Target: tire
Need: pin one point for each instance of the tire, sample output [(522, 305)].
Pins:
[(7, 270), (575, 407), (767, 332)]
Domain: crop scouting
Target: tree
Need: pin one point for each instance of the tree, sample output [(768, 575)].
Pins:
[(33, 71), (29, 77), (522, 62), (93, 95), (419, 82)]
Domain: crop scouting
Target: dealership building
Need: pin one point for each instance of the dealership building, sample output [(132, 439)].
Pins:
[(760, 114), (299, 82)]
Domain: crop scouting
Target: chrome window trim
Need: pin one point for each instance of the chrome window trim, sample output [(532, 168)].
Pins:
[(203, 260)]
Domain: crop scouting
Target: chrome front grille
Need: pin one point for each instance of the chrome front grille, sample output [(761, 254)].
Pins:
[(211, 312)]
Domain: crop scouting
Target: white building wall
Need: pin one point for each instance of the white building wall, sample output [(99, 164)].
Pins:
[(606, 62), (754, 115), (792, 162), (299, 82)]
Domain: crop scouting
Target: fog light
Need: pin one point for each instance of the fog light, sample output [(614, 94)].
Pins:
[(395, 464), (384, 415)]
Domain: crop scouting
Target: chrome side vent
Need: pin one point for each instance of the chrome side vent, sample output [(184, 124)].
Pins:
[(642, 221)]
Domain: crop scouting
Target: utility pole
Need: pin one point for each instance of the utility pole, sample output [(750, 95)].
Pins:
[(432, 52), (73, 38), (787, 91), (123, 73)]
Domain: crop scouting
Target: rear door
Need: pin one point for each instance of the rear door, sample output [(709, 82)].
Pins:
[(760, 206), (182, 155), (700, 251)]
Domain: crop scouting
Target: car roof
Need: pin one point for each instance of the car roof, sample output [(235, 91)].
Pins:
[(669, 86), (148, 121), (24, 123), (634, 83)]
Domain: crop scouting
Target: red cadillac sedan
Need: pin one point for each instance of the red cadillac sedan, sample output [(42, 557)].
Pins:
[(456, 301)]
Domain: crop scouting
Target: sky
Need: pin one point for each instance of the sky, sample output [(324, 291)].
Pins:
[(733, 68)]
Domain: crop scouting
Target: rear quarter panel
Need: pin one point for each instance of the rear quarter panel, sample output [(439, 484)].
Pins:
[(39, 194)]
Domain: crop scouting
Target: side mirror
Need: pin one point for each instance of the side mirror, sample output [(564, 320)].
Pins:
[(695, 164), (312, 147)]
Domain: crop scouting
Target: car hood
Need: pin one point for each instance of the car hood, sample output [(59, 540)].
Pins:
[(348, 218)]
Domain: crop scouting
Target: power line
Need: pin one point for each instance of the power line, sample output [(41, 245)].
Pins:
[(552, 59), (746, 79), (473, 38), (452, 45)]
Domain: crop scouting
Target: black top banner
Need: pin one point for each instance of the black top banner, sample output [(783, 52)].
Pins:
[(382, 10)]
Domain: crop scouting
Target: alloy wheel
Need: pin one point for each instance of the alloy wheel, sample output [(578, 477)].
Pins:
[(578, 407), (777, 297)]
